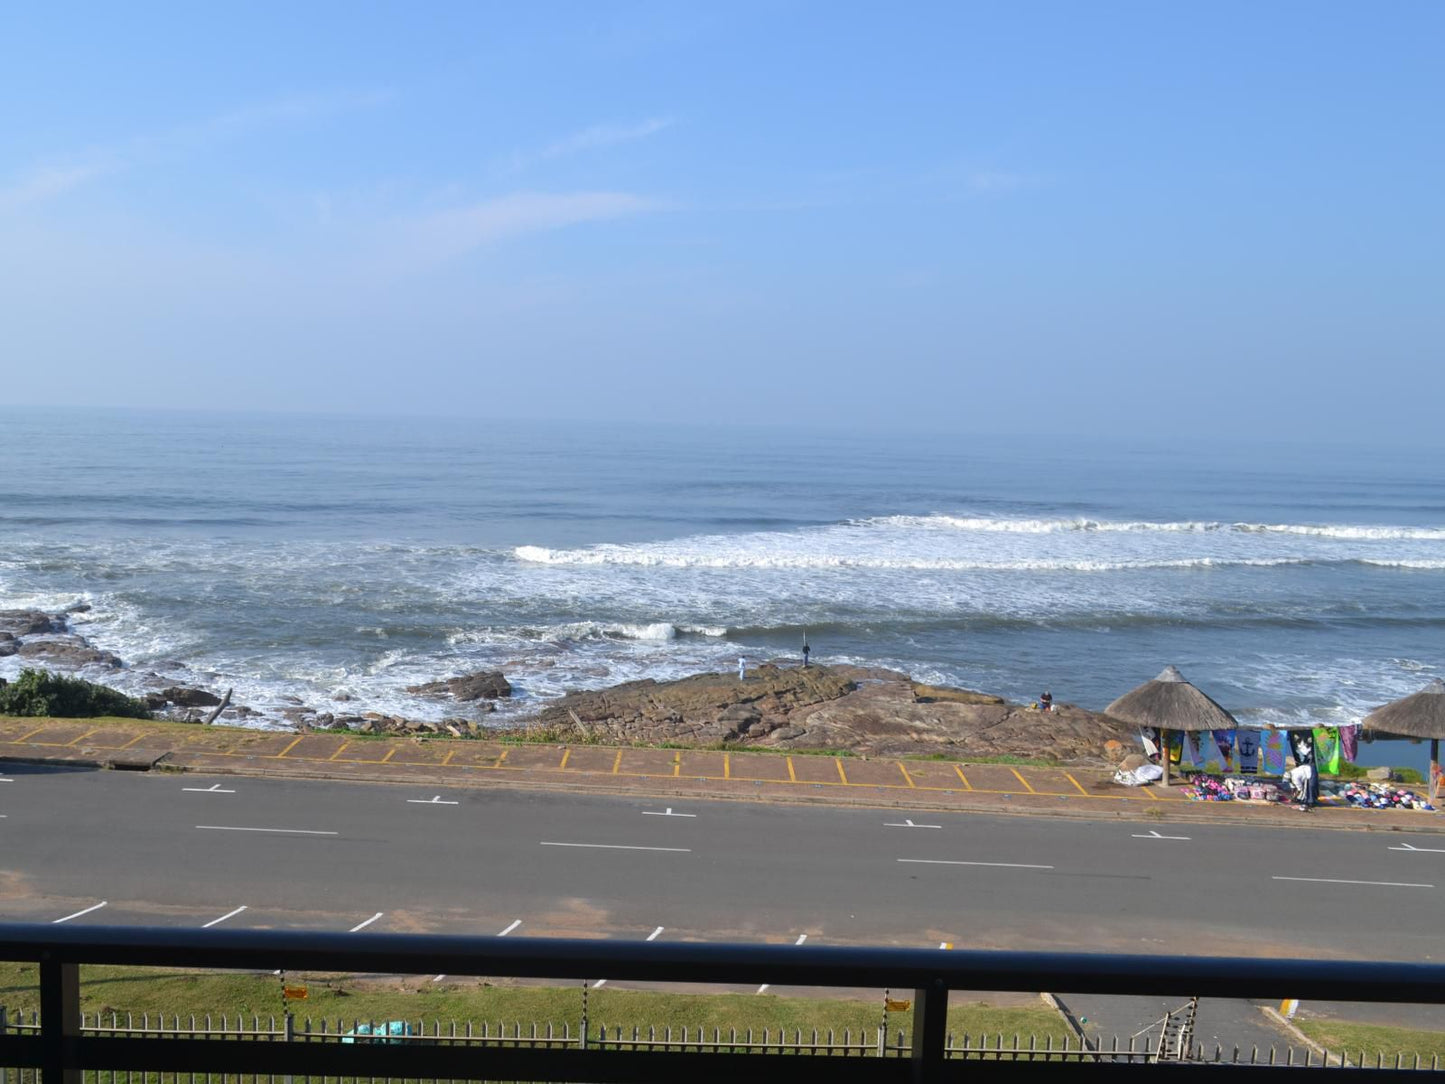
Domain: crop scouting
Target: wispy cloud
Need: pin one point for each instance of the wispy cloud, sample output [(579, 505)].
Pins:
[(588, 139), (446, 235), (48, 180)]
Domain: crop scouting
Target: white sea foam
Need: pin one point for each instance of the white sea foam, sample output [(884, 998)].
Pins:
[(1007, 525)]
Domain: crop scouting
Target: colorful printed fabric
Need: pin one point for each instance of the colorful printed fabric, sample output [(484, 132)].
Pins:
[(1176, 746), (1327, 749), (1196, 749), (1274, 745), (1149, 738), (1350, 741), (1302, 746), (1248, 742), (1224, 739)]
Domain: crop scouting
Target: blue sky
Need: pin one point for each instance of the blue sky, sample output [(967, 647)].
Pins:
[(1163, 216)]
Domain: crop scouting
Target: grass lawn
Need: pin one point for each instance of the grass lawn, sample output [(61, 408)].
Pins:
[(1375, 1040), (162, 991)]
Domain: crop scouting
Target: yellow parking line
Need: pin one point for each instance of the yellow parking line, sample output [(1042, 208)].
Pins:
[(448, 758), (338, 752), (906, 776), (27, 737), (1074, 781), (617, 762), (389, 754), (565, 754), (792, 777), (677, 763), (963, 778), (137, 738), (288, 748), (87, 734), (501, 757), (1022, 780), (841, 773), (727, 767)]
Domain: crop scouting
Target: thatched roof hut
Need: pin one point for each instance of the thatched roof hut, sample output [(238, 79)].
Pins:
[(1170, 703), (1420, 715)]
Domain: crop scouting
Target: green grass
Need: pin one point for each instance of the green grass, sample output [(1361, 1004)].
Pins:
[(1374, 1040), (331, 997)]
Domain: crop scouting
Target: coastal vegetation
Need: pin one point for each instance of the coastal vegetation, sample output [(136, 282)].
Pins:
[(39, 693)]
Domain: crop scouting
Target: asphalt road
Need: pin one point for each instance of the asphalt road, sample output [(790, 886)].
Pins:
[(184, 850)]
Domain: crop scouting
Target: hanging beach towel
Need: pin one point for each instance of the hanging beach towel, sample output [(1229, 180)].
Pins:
[(1274, 752), (1176, 746), (1149, 738), (1224, 739), (1350, 741), (1196, 749), (1248, 742), (1327, 749), (1302, 746)]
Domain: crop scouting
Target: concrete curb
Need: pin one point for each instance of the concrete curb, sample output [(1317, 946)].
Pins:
[(1287, 1026)]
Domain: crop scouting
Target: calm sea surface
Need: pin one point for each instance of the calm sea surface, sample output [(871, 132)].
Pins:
[(325, 558)]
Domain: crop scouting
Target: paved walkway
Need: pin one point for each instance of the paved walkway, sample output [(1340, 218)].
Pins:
[(903, 783)]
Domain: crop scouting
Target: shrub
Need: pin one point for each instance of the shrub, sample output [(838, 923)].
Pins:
[(41, 693)]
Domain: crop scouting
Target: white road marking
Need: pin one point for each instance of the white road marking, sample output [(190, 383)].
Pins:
[(908, 823), (207, 790), (368, 922), (801, 938), (4, 780), (228, 914), (504, 933), (650, 937), (278, 831), (667, 813), (1151, 834), (616, 847), (1418, 850), (438, 800), (1335, 881), (945, 944), (77, 914), (952, 862)]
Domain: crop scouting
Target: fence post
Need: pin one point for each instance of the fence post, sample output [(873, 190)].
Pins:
[(3, 1070), (288, 1033), (930, 1021), (59, 1020)]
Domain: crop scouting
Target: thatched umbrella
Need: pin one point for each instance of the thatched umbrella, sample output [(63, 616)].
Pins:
[(1420, 715), (1170, 703)]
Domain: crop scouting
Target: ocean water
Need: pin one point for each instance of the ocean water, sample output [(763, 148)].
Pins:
[(337, 560)]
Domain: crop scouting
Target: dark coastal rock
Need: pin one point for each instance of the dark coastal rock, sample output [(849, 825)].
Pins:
[(866, 711), (74, 652), (8, 644), (29, 622), (187, 697), (483, 685)]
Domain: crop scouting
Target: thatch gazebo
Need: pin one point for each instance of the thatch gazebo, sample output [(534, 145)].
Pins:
[(1170, 703), (1420, 715)]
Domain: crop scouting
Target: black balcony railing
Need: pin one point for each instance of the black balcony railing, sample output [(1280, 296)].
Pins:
[(64, 1053)]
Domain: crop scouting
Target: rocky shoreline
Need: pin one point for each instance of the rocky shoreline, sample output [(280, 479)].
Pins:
[(867, 712)]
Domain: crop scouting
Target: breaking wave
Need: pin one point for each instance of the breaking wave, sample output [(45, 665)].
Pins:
[(1344, 532)]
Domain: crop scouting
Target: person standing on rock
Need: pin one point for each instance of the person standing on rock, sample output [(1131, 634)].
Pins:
[(806, 652), (742, 668)]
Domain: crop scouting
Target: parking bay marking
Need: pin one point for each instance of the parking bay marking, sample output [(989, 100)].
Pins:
[(362, 925), (1152, 834), (1337, 881), (956, 862), (667, 813), (77, 914), (615, 847), (1418, 850), (438, 800), (908, 823), (650, 937), (801, 938), (515, 923), (228, 914), (207, 790), (278, 831)]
